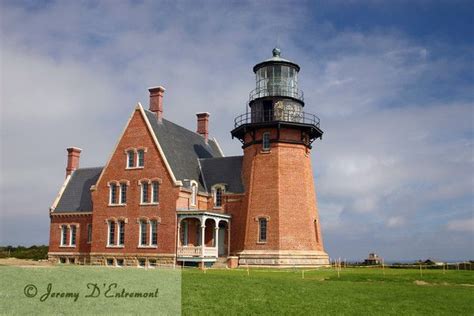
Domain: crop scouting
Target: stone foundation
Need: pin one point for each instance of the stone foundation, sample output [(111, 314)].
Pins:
[(104, 259), (283, 259)]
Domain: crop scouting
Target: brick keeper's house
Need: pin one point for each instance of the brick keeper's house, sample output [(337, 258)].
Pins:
[(169, 195)]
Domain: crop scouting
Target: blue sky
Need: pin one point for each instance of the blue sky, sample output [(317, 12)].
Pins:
[(392, 83)]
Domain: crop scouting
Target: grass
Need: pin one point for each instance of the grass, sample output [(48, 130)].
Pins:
[(357, 291)]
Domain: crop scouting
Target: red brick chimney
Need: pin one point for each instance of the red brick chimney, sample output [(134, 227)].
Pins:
[(156, 101), (73, 155), (203, 124)]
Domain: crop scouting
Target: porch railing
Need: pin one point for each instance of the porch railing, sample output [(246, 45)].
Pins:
[(197, 251)]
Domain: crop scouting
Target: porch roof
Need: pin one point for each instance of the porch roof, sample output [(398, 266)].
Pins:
[(206, 213)]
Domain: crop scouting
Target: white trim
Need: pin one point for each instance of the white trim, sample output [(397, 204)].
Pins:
[(70, 236), (109, 224), (115, 148), (218, 146), (62, 241), (158, 146), (60, 193)]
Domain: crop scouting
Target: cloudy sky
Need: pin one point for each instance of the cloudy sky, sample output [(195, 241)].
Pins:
[(393, 84)]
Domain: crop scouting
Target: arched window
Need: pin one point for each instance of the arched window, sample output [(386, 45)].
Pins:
[(155, 192), (131, 158), (121, 233), (123, 193), (111, 233), (113, 193), (141, 158), (63, 235), (144, 193), (72, 236), (153, 233), (143, 232)]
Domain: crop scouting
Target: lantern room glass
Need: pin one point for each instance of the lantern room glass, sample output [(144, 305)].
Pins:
[(274, 80)]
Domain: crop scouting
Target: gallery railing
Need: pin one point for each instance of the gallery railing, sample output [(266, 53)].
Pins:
[(276, 90), (279, 115)]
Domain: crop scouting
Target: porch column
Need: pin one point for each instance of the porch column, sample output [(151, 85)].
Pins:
[(203, 232), (216, 237), (179, 233)]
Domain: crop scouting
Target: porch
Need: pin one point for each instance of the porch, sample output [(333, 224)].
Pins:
[(202, 236)]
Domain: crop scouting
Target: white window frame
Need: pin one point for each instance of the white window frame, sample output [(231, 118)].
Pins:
[(266, 141), (215, 189), (63, 235), (142, 186), (113, 185), (71, 228), (194, 193), (123, 184), (119, 233), (131, 151), (138, 151), (155, 194), (141, 242), (150, 238), (111, 223)]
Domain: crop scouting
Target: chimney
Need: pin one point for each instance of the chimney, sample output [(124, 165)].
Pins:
[(203, 124), (73, 155), (156, 101)]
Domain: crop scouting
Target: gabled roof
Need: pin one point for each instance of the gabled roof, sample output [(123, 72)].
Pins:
[(182, 148), (225, 170), (77, 196)]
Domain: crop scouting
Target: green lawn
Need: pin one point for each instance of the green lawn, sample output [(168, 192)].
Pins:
[(360, 291)]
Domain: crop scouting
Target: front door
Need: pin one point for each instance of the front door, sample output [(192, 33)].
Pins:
[(221, 239)]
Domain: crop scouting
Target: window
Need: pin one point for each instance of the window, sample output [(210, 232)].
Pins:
[(130, 159), (111, 240), (152, 263), (218, 192), (141, 263), (266, 141), (110, 261), (153, 233), (89, 233), (193, 193), (262, 229), (63, 235), (113, 193), (123, 193), (72, 237), (120, 262), (144, 192), (121, 231), (141, 158), (155, 185), (62, 260), (143, 234)]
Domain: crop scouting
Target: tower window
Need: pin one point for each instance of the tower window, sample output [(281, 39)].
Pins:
[(266, 141), (262, 230)]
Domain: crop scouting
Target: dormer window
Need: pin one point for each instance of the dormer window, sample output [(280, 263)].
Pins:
[(218, 192)]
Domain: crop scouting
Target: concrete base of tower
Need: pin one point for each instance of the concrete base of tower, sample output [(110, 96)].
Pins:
[(283, 258)]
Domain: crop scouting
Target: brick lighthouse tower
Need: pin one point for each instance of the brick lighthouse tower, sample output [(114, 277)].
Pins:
[(279, 208)]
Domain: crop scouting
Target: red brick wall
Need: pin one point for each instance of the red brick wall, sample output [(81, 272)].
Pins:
[(81, 234), (135, 136), (281, 187)]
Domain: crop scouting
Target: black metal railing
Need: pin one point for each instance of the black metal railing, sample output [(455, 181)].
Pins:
[(279, 115), (276, 90)]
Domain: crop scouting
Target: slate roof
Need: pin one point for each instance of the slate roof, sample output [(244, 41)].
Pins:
[(77, 196), (183, 148), (223, 170)]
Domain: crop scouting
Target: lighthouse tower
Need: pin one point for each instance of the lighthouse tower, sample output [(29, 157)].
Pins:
[(279, 210)]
